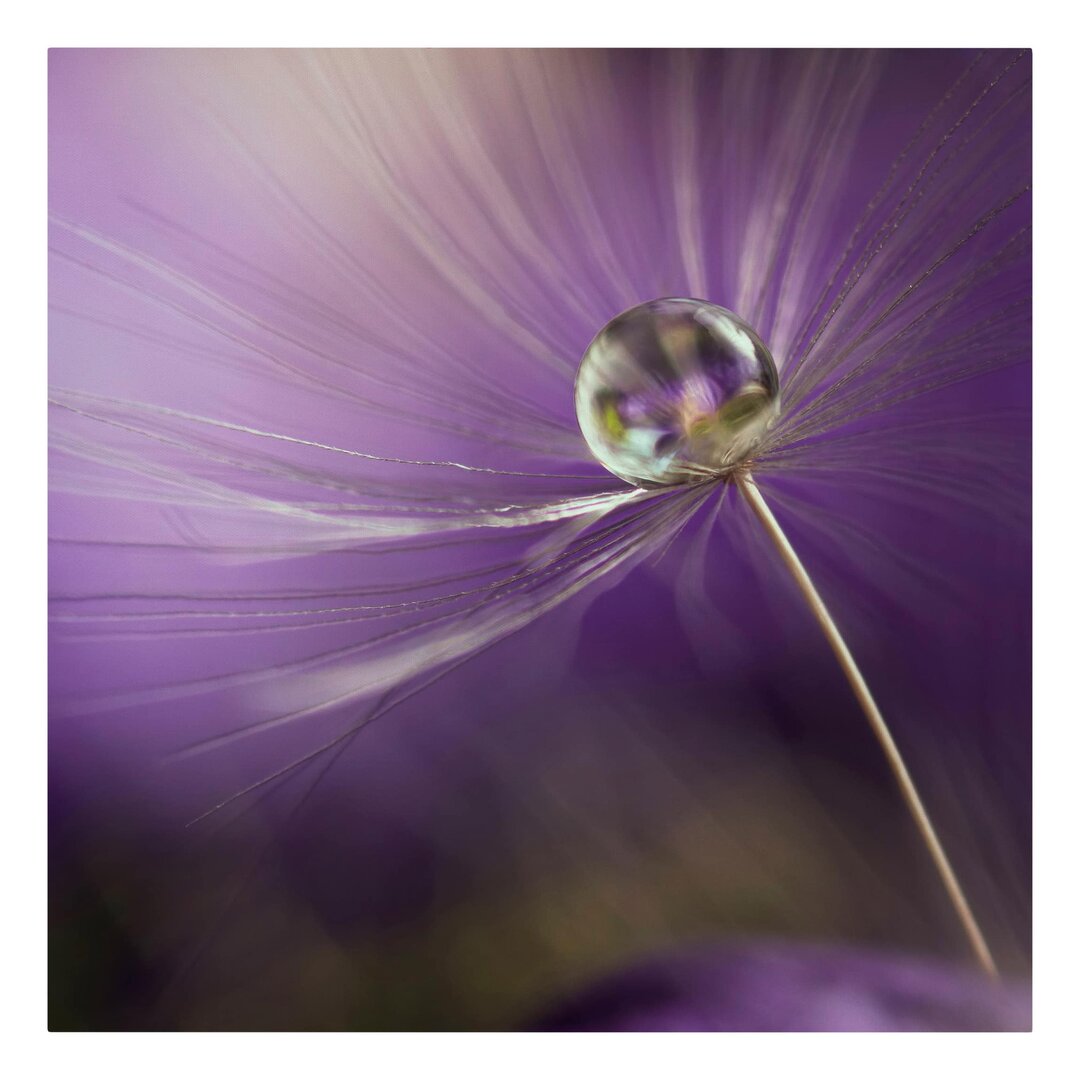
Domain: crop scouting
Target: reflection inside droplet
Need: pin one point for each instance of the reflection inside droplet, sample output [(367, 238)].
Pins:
[(675, 391)]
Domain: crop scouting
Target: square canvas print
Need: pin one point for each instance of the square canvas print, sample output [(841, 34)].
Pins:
[(540, 540)]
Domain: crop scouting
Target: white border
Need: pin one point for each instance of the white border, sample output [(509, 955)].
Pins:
[(32, 1052)]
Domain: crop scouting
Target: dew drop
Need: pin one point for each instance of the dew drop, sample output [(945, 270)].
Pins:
[(675, 391)]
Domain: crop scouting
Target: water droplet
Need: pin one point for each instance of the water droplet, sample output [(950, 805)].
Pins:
[(675, 391)]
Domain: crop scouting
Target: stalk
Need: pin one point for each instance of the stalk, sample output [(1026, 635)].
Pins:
[(753, 496)]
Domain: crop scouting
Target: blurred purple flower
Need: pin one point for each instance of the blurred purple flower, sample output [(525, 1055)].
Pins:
[(315, 322), (780, 987)]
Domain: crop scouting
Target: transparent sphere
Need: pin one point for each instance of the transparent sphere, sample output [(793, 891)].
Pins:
[(674, 391)]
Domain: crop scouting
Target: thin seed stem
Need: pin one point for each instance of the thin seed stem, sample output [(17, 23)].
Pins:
[(847, 663)]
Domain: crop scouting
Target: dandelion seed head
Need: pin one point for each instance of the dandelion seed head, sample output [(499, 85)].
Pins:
[(675, 391)]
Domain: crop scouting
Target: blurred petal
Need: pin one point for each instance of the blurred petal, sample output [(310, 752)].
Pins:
[(761, 987)]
